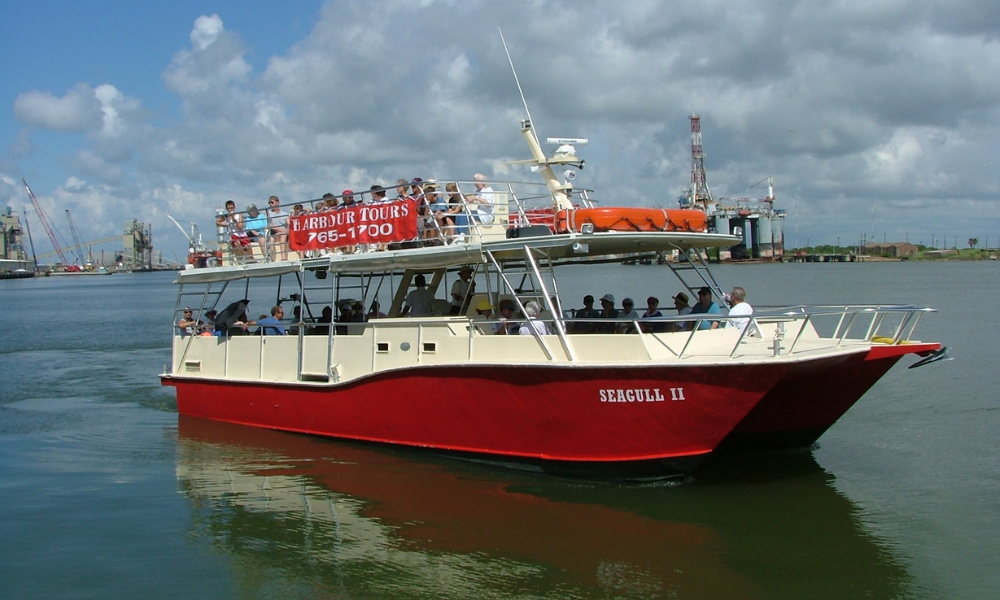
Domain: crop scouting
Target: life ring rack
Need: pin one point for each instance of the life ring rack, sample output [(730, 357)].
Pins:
[(631, 219)]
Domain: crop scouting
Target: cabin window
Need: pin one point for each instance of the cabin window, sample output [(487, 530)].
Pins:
[(430, 347), (382, 347)]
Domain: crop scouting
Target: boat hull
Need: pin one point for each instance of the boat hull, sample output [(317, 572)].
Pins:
[(607, 422), (813, 396)]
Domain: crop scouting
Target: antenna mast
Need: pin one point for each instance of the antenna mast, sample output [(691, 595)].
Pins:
[(699, 194), (516, 80)]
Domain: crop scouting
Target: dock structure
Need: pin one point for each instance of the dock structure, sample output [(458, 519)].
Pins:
[(825, 258)]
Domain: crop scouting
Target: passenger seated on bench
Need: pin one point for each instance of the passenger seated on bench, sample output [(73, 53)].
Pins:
[(506, 326), (233, 221), (255, 226), (653, 312), (374, 312), (484, 312), (608, 311), (738, 306), (325, 317), (705, 306), (208, 325), (585, 316), (531, 311), (628, 312), (272, 325)]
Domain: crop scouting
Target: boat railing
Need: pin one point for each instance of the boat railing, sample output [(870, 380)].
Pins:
[(452, 212), (787, 331)]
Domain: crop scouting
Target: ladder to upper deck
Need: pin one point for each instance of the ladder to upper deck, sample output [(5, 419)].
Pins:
[(691, 269)]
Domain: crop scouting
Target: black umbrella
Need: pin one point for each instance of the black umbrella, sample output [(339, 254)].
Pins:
[(229, 315)]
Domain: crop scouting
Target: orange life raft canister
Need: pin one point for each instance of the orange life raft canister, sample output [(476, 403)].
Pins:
[(616, 218)]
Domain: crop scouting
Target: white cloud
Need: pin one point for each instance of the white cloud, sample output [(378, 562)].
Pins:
[(78, 110), (206, 31), (839, 102), (74, 183)]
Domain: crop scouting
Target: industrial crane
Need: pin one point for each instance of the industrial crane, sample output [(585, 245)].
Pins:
[(76, 239), (198, 254), (45, 222), (115, 238)]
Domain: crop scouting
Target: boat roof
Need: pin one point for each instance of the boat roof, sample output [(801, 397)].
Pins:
[(569, 247)]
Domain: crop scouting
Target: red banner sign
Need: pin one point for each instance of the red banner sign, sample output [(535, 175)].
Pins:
[(381, 223)]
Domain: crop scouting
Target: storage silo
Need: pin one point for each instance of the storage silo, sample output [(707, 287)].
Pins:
[(764, 243), (778, 233)]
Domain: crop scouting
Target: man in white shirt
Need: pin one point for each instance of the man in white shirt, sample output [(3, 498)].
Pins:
[(419, 302), (738, 307), (533, 325), (484, 198)]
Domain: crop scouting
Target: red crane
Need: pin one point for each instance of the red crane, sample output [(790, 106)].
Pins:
[(45, 222)]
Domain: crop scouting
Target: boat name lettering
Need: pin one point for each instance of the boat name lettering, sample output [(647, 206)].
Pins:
[(640, 395)]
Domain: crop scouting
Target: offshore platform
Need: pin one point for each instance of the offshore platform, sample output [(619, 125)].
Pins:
[(755, 220)]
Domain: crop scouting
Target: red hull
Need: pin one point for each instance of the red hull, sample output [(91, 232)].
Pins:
[(549, 416), (813, 396)]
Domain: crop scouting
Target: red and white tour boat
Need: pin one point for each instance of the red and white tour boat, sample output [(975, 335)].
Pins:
[(620, 399)]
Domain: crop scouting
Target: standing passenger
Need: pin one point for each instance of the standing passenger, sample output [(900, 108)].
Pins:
[(277, 221), (419, 302)]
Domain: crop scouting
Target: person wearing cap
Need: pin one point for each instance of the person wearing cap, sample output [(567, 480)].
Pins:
[(255, 226), (608, 311), (627, 312), (461, 291), (378, 193), (705, 306), (738, 307), (683, 308), (187, 324), (653, 312), (207, 327), (329, 202), (484, 308), (347, 201), (435, 212), (417, 189)]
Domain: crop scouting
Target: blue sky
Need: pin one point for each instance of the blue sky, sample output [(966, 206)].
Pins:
[(121, 110)]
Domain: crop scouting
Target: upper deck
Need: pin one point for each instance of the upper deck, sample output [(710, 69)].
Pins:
[(520, 216)]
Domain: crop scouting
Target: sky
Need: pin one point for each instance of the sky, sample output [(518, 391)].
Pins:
[(877, 118)]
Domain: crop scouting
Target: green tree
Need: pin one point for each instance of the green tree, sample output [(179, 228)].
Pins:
[(973, 242)]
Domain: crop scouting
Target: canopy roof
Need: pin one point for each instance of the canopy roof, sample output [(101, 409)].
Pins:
[(563, 247)]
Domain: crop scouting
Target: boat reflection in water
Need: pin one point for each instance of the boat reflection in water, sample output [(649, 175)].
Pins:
[(314, 517)]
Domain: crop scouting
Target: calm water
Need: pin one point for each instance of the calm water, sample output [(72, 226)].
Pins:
[(106, 493)]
